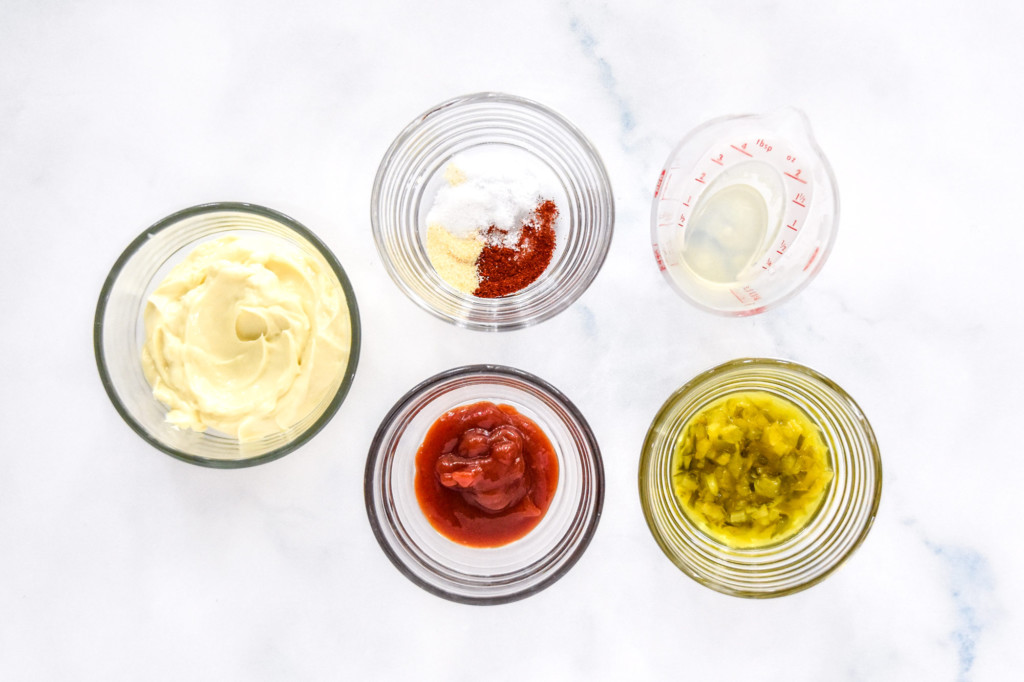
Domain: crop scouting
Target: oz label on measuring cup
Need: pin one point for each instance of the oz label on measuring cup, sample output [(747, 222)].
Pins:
[(742, 210)]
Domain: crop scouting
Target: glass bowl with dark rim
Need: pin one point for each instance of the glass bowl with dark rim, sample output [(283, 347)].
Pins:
[(119, 331), (828, 538), (412, 169), (476, 575)]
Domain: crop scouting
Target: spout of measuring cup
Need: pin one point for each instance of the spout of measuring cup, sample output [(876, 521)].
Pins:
[(791, 122), (794, 124)]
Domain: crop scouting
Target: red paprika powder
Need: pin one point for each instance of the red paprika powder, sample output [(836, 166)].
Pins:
[(504, 270)]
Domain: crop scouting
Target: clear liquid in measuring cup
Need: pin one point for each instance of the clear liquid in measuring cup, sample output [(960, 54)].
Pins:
[(733, 223)]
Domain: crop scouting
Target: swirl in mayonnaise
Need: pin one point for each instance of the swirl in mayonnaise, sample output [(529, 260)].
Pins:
[(246, 336)]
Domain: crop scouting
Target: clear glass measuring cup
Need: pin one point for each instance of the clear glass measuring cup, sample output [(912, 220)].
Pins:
[(745, 212)]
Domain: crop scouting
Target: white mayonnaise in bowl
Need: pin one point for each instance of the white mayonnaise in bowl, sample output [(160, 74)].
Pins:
[(155, 328)]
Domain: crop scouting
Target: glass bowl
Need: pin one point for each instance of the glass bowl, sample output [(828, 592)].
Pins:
[(483, 575), (830, 536), (413, 168), (119, 331)]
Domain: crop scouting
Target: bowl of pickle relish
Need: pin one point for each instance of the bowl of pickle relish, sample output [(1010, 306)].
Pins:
[(759, 477)]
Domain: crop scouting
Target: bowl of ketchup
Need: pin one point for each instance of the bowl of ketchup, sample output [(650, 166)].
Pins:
[(484, 484)]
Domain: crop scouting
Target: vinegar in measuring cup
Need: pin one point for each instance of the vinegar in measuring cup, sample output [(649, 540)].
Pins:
[(733, 222), (744, 212)]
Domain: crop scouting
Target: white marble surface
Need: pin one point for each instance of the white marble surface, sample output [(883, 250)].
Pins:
[(119, 562)]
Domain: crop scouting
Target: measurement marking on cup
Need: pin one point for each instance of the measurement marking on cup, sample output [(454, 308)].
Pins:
[(813, 256), (742, 151), (798, 179), (657, 188), (657, 257), (793, 225), (666, 186), (701, 178), (718, 160), (799, 200)]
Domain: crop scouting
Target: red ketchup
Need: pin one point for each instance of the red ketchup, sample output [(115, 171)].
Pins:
[(485, 475)]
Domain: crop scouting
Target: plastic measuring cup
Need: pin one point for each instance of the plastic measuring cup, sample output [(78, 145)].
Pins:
[(745, 212)]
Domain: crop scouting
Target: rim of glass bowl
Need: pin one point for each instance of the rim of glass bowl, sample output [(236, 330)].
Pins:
[(170, 221), (508, 312), (592, 452), (701, 390)]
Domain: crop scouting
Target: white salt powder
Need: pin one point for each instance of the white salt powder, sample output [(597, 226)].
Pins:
[(482, 194)]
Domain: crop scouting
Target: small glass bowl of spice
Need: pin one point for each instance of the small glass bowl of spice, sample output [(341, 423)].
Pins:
[(759, 477), (492, 212), (484, 484)]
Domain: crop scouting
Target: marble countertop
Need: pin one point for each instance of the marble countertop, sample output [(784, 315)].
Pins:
[(122, 563)]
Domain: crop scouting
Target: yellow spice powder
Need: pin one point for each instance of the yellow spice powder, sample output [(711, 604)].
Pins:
[(454, 175), (454, 258)]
